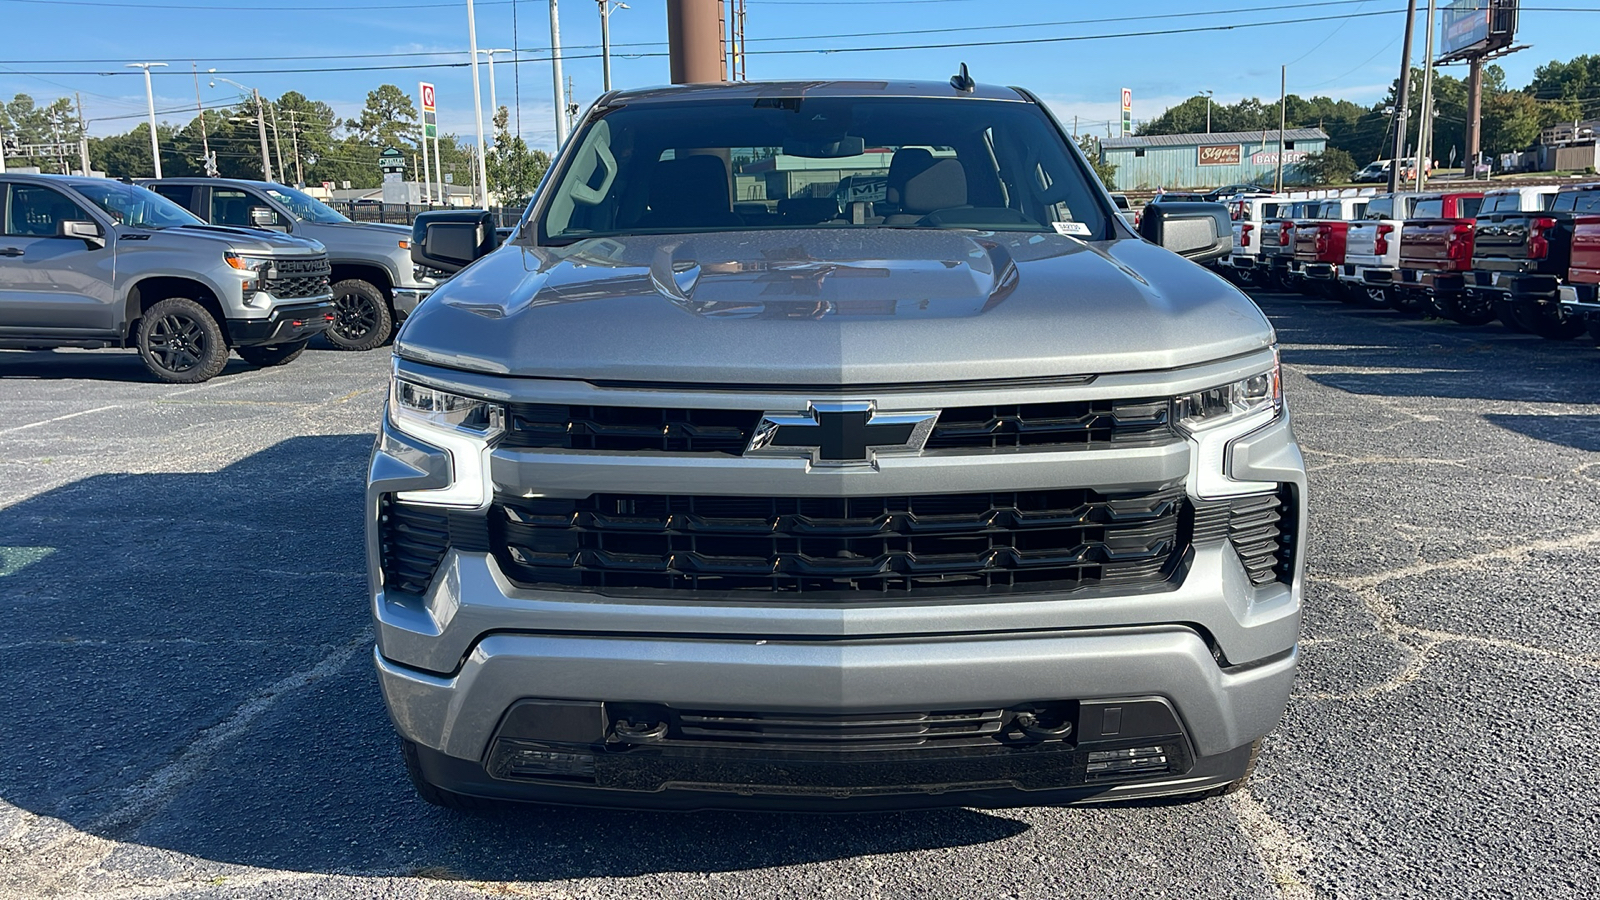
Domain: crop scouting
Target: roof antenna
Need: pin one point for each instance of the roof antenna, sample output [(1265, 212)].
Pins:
[(963, 81)]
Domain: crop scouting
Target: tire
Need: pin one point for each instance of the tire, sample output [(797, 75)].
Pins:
[(181, 342), (438, 796), (1409, 302), (1506, 313), (361, 316), (1350, 293), (274, 355), (1376, 297), (1472, 309), (1546, 318)]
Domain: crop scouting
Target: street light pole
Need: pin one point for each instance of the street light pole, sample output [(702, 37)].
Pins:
[(606, 9), (1208, 109), (261, 121), (150, 98), (477, 105), (494, 105), (555, 74)]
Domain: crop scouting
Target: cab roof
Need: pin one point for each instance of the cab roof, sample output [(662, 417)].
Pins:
[(755, 90)]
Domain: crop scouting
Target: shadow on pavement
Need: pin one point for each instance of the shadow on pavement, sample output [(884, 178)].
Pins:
[(156, 623), (95, 365), (1578, 432)]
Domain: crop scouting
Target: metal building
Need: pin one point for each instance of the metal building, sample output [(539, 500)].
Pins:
[(1179, 161)]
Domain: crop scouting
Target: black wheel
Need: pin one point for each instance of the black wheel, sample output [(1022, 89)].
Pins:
[(361, 317), (1410, 302), (1546, 318), (275, 355), (436, 795), (1346, 292), (1505, 311), (1375, 296), (1472, 309), (180, 342)]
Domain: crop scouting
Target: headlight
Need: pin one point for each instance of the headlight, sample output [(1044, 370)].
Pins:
[(462, 426), (1215, 417), (1206, 409), (264, 266)]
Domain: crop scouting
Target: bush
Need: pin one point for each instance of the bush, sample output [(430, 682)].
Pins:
[(1331, 166)]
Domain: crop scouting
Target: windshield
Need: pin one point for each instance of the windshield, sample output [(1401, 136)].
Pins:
[(305, 207), (135, 206), (794, 162)]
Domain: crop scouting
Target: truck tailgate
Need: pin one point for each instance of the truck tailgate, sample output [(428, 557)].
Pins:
[(1585, 250)]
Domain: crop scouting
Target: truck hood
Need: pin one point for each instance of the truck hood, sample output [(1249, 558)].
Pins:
[(357, 239), (831, 307), (239, 240)]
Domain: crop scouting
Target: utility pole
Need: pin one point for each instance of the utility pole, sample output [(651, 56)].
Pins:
[(1208, 109), (83, 138), (1402, 109), (150, 98), (294, 139), (477, 105), (277, 142), (694, 41), (494, 105), (1425, 130), (200, 112), (607, 7), (261, 130), (555, 73), (1283, 122)]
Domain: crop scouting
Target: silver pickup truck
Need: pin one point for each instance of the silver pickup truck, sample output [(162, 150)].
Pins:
[(89, 262), (967, 496), (375, 285)]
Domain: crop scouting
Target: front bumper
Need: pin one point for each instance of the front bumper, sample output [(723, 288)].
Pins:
[(407, 299), (1212, 647), (287, 323)]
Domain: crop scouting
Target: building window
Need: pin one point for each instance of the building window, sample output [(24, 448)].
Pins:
[(1288, 145), (1138, 153)]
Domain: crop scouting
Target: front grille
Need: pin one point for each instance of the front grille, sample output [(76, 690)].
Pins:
[(412, 540), (627, 429), (859, 731), (1262, 528), (299, 278), (844, 547)]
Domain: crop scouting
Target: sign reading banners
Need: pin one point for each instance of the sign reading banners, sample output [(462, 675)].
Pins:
[(1220, 154), (430, 119), (1270, 157)]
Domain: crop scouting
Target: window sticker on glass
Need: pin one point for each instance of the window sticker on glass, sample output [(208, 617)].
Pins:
[(1074, 229)]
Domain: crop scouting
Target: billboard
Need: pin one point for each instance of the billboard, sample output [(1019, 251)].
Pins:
[(1472, 27), (1220, 154)]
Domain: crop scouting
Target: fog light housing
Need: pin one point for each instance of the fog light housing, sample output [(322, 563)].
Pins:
[(1131, 761), (525, 759)]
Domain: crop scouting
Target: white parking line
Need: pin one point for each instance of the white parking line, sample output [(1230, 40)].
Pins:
[(83, 412)]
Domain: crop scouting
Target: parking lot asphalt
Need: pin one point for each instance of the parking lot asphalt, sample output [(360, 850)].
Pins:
[(189, 707)]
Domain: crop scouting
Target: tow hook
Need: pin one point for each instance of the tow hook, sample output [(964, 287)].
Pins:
[(627, 732), (1032, 727)]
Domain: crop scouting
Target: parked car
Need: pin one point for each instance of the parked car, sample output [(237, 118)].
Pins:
[(1232, 191), (1277, 243), (1126, 210), (374, 283), (1179, 197), (1372, 247), (986, 501), (1319, 243), (1374, 172), (1436, 252), (1525, 255), (1580, 296), (90, 262), (1245, 264)]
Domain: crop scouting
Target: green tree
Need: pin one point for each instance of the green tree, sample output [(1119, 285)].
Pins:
[(514, 170), (1330, 166), (1576, 82), (1106, 172), (388, 120)]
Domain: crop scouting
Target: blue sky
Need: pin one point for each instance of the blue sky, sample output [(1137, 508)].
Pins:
[(1354, 58)]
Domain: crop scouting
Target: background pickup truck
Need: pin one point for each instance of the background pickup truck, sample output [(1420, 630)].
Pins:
[(1436, 252), (90, 262), (1580, 296), (1372, 247), (1319, 243), (1277, 243), (1522, 257), (374, 282), (1249, 214)]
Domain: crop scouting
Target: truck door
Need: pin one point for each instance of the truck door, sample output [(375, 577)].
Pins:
[(52, 285)]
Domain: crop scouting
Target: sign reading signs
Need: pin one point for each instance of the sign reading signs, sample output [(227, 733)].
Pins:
[(1220, 154), (430, 118)]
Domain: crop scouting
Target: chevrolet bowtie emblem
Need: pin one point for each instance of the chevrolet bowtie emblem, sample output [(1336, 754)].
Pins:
[(841, 434)]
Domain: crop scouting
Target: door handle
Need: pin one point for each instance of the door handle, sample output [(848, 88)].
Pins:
[(11, 251)]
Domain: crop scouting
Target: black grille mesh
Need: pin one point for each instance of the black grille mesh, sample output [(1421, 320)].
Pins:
[(413, 539), (1044, 540), (1262, 528), (299, 278), (727, 431)]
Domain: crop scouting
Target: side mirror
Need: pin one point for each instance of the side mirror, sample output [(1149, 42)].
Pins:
[(263, 217), (1196, 231), (451, 240), (83, 230)]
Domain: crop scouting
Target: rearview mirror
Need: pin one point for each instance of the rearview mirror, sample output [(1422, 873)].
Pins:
[(827, 148), (83, 230), (1196, 231), (451, 240)]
